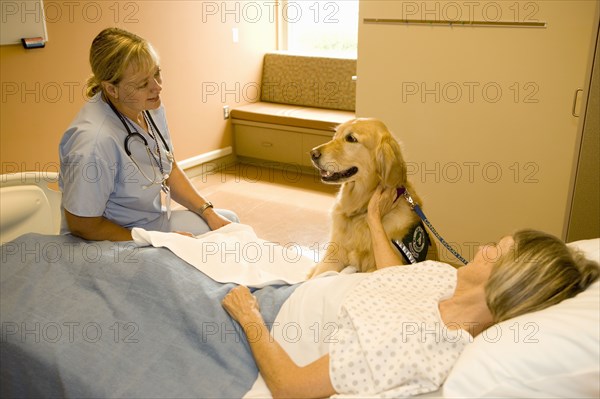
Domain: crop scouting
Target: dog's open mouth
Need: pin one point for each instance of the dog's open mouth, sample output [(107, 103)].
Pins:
[(329, 176)]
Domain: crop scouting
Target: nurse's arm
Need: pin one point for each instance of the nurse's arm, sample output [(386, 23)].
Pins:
[(96, 228), (184, 192)]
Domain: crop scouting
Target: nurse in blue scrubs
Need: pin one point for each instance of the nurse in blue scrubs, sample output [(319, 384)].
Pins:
[(117, 169)]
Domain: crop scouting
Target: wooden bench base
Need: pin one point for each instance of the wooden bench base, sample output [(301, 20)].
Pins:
[(283, 133)]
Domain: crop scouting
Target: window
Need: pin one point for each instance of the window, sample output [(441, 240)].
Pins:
[(319, 27)]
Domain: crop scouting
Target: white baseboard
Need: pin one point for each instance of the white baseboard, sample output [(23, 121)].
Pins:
[(208, 162), (204, 158)]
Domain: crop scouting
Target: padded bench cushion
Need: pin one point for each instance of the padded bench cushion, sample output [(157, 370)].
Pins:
[(292, 115), (308, 81)]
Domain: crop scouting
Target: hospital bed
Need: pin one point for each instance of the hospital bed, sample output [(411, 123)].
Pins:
[(29, 204), (106, 319)]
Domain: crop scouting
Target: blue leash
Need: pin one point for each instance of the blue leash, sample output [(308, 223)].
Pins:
[(417, 209)]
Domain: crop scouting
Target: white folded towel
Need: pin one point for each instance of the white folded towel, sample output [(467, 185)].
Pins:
[(234, 254)]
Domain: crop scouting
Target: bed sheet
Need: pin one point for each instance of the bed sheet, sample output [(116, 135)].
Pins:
[(105, 319)]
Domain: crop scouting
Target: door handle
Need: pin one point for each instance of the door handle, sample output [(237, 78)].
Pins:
[(573, 110)]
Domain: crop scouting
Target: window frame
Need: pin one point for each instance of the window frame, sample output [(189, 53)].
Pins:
[(282, 39)]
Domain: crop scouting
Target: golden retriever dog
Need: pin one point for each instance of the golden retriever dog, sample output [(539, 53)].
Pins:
[(362, 155)]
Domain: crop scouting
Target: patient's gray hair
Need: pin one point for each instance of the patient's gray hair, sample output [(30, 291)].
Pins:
[(538, 272)]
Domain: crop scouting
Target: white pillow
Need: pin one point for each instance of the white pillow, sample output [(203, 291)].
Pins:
[(551, 353)]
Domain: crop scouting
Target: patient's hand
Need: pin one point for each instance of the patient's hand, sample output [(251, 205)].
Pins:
[(380, 203), (242, 306)]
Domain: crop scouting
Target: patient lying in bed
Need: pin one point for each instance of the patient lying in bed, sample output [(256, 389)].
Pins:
[(400, 330), (384, 324)]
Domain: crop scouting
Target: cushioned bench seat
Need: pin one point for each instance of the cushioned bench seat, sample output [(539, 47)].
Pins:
[(292, 115), (303, 99)]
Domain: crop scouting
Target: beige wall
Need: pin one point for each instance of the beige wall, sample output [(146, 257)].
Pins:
[(484, 112), (203, 69)]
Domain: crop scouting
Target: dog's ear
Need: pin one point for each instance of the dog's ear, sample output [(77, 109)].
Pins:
[(390, 163)]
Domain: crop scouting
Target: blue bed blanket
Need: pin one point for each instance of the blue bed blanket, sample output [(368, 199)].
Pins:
[(104, 319)]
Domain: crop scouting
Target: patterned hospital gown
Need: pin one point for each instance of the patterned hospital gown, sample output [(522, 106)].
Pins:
[(391, 340)]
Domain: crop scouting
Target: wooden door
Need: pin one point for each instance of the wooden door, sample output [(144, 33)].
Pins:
[(584, 218)]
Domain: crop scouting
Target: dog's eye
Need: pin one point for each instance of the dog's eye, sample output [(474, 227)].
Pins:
[(351, 139)]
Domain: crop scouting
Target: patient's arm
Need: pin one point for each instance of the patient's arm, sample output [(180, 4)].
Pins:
[(96, 228), (283, 377), (385, 254)]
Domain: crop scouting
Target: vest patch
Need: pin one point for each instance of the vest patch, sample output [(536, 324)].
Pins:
[(414, 245)]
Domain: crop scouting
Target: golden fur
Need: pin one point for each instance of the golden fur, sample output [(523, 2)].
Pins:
[(362, 155)]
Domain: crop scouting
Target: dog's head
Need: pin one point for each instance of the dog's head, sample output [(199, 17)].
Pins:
[(361, 149)]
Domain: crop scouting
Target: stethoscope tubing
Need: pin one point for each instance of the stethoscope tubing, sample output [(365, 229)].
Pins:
[(133, 134)]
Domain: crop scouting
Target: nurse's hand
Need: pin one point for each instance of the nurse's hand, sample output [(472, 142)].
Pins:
[(214, 220)]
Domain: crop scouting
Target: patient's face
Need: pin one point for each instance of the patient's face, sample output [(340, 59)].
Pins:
[(489, 254)]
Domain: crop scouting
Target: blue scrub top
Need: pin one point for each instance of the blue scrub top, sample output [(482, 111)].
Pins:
[(98, 178)]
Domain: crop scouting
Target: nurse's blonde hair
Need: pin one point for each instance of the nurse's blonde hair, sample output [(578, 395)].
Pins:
[(112, 52), (539, 271)]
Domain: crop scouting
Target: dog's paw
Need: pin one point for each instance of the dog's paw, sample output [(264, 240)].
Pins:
[(311, 272), (349, 270), (325, 267)]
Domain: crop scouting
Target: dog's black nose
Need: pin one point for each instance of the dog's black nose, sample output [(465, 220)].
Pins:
[(315, 154)]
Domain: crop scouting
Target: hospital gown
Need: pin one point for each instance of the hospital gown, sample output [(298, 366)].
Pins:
[(392, 341)]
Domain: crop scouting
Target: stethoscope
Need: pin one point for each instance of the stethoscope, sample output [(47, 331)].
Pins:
[(156, 162), (132, 133)]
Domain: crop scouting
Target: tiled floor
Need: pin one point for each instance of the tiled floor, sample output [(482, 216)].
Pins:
[(283, 206)]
